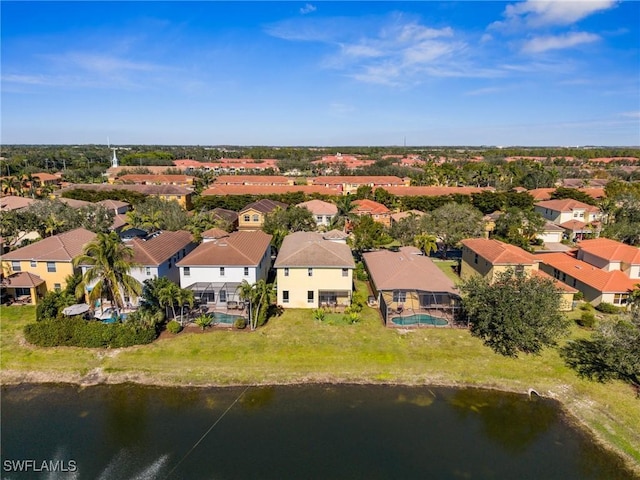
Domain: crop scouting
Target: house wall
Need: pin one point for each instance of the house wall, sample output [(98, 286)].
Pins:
[(323, 220), (63, 269), (298, 283), (591, 294), (550, 237), (550, 214), (253, 222)]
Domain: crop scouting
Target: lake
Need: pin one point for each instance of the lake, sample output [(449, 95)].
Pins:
[(292, 432)]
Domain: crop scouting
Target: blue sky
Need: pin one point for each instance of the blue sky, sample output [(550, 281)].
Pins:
[(533, 73)]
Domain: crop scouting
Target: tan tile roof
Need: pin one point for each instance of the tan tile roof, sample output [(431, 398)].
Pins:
[(160, 247), (369, 206), (318, 207), (310, 249), (215, 233), (268, 189), (238, 249), (600, 280), (611, 250), (335, 235), (73, 203), (22, 280), (224, 214), (499, 253), (44, 176), (406, 270), (13, 202), (119, 220), (113, 204), (567, 205), (63, 247), (434, 191)]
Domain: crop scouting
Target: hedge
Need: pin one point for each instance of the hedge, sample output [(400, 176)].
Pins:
[(76, 332)]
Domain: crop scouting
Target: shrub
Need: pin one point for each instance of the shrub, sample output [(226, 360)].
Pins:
[(174, 326), (578, 296), (204, 321), (319, 314), (52, 304), (76, 332), (351, 317), (240, 323), (586, 307), (360, 272), (605, 307), (587, 320)]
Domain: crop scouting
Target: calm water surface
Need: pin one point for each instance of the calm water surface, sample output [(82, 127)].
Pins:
[(299, 432)]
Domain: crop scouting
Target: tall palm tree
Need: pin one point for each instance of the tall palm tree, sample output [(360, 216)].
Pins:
[(168, 296), (184, 296), (10, 185), (425, 242), (264, 294), (245, 292), (109, 262)]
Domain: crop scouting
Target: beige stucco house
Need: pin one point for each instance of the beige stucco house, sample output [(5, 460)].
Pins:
[(313, 272)]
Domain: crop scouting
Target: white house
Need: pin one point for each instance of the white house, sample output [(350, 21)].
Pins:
[(323, 212), (216, 268)]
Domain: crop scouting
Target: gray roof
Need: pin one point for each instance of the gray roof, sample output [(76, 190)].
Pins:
[(309, 249), (406, 270)]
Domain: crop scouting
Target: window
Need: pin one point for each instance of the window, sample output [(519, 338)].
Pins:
[(57, 287), (285, 296), (223, 296), (475, 258), (519, 269), (51, 267), (15, 266), (319, 218), (310, 272), (34, 263), (286, 271), (246, 271), (22, 291), (147, 270), (620, 298), (309, 296), (256, 218), (247, 218), (399, 296), (345, 272), (187, 271), (222, 271)]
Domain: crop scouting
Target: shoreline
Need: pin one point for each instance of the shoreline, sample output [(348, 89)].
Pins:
[(574, 413)]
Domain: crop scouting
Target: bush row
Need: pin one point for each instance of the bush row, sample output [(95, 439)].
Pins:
[(76, 332)]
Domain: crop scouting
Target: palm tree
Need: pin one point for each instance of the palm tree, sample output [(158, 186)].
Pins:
[(245, 292), (28, 182), (53, 225), (263, 297), (10, 185), (109, 262), (168, 295), (425, 242), (184, 296)]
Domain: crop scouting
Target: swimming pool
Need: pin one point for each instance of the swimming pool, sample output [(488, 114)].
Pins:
[(419, 319), (224, 318)]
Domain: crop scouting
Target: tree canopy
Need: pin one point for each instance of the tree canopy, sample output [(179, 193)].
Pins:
[(516, 313), (453, 222)]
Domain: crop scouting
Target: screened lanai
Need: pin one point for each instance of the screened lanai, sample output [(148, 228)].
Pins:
[(411, 290)]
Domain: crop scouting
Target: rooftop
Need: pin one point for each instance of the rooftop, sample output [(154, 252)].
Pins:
[(237, 249), (499, 253), (611, 250), (319, 207), (63, 247), (158, 247), (310, 249)]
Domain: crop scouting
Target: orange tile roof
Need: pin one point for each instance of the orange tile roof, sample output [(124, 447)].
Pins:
[(357, 180), (238, 249), (499, 253), (611, 250), (429, 191), (369, 206), (157, 249), (161, 178), (541, 193), (253, 180), (63, 247), (573, 225), (215, 233), (13, 202), (268, 189), (560, 285), (600, 280)]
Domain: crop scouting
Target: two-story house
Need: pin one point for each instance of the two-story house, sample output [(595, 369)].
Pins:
[(312, 271), (602, 269), (489, 257), (323, 212), (215, 269), (375, 210), (43, 266), (252, 216), (577, 218)]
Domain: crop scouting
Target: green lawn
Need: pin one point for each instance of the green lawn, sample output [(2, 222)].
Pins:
[(297, 348)]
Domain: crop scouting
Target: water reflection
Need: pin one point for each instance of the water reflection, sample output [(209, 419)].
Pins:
[(336, 432)]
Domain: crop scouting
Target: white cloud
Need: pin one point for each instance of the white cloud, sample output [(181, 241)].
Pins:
[(308, 8), (635, 114), (537, 13), (558, 42)]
